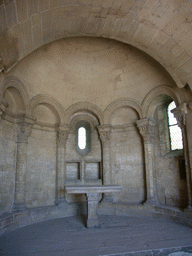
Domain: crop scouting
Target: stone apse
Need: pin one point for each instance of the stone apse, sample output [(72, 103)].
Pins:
[(121, 96)]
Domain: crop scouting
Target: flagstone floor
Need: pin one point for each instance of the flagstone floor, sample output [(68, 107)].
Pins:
[(117, 235)]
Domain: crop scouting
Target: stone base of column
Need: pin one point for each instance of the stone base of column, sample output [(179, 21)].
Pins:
[(151, 201), (92, 223), (60, 200), (19, 207)]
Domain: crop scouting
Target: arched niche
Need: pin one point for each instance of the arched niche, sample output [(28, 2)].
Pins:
[(15, 93), (85, 108), (14, 100), (124, 116), (83, 168), (45, 114), (126, 149), (168, 164), (159, 95), (42, 152), (124, 111), (47, 110)]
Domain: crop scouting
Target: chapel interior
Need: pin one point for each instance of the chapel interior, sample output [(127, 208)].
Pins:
[(88, 89)]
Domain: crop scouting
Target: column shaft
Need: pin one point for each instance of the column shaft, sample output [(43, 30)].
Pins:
[(24, 131), (182, 114), (60, 172), (21, 166), (105, 134), (147, 130)]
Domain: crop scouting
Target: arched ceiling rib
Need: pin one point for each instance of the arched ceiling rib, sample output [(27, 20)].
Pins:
[(161, 28)]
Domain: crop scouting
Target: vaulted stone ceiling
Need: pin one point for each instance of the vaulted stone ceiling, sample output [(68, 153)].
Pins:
[(161, 28)]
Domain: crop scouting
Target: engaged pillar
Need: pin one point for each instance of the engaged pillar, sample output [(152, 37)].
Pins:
[(183, 116), (62, 136), (105, 134), (24, 131), (147, 131), (3, 106)]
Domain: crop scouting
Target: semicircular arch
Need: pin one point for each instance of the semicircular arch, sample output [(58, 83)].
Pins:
[(84, 106), (151, 99), (50, 101), (124, 102), (14, 82)]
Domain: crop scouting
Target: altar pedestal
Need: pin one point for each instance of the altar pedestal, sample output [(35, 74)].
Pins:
[(92, 194)]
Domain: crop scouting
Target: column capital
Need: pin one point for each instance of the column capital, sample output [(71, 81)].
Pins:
[(104, 132), (179, 113), (24, 131), (24, 127), (147, 129), (62, 133)]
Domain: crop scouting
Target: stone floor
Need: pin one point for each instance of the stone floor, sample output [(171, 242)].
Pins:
[(116, 236)]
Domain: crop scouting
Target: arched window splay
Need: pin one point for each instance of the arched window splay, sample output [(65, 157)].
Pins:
[(175, 134), (83, 138)]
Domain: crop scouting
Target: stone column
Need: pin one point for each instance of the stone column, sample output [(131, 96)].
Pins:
[(147, 130), (105, 135), (62, 136), (180, 114), (3, 106), (24, 129)]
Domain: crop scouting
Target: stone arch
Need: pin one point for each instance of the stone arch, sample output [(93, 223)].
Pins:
[(52, 103), (85, 106), (124, 102), (156, 96), (14, 82)]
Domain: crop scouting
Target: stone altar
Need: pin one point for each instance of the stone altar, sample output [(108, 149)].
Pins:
[(92, 193)]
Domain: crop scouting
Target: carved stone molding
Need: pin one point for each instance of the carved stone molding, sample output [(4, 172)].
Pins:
[(179, 116), (147, 129), (24, 128), (24, 131), (3, 106), (123, 102), (105, 133), (62, 135)]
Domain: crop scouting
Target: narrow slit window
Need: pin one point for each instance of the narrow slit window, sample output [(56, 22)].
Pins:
[(176, 140), (82, 138)]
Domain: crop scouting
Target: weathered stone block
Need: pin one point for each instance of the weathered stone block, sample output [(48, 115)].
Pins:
[(47, 19), (22, 9), (2, 18), (44, 5), (11, 14), (33, 7)]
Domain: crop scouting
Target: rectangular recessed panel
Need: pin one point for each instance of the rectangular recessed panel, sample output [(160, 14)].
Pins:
[(92, 171), (72, 171)]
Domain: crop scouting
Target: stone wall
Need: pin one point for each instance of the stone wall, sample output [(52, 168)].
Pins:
[(127, 165), (41, 169)]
